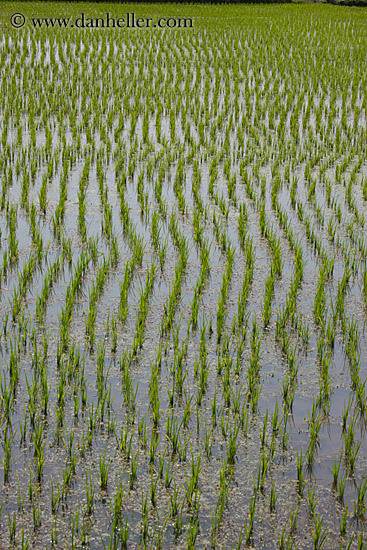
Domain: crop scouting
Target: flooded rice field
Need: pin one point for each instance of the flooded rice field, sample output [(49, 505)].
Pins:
[(183, 279)]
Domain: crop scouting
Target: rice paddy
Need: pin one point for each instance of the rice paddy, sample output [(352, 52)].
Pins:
[(183, 279)]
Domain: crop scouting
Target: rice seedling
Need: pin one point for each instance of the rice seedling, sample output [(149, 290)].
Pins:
[(249, 528), (293, 519), (300, 474), (343, 521), (12, 524), (320, 535), (359, 504), (341, 487), (273, 497), (134, 468), (232, 444)]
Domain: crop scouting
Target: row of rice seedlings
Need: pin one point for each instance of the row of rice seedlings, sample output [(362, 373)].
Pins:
[(10, 256), (94, 293), (171, 304), (70, 296), (51, 276)]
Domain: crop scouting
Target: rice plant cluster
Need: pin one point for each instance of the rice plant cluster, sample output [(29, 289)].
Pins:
[(183, 280)]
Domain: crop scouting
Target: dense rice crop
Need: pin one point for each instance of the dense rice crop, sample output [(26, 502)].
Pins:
[(183, 279)]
